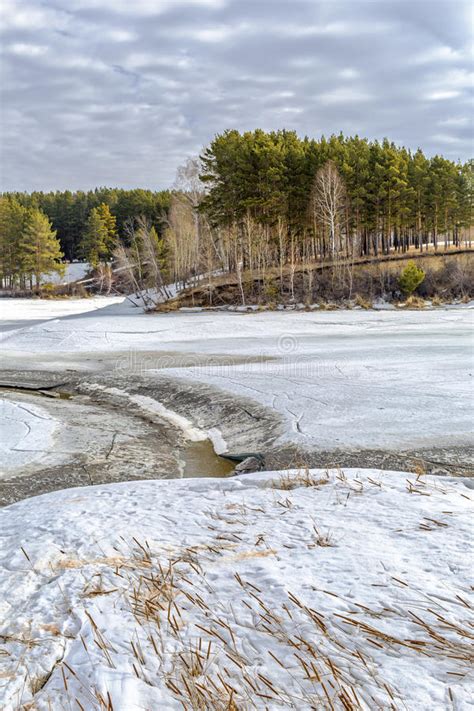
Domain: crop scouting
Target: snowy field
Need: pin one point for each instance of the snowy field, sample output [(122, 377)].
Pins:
[(339, 378), (328, 590)]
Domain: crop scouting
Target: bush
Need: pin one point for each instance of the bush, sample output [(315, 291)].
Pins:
[(410, 278), (270, 291)]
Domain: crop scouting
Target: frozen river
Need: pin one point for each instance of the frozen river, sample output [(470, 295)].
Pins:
[(307, 382)]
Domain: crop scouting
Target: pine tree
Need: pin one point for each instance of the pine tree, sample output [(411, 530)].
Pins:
[(410, 278), (110, 224), (12, 220), (39, 250), (464, 200), (94, 244), (419, 180)]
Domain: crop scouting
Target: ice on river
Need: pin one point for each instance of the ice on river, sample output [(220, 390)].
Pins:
[(26, 434), (339, 379)]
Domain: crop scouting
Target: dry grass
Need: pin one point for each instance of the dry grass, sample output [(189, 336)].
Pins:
[(303, 478), (319, 664), (328, 306), (322, 540), (415, 302), (363, 303), (304, 658), (381, 269), (244, 649)]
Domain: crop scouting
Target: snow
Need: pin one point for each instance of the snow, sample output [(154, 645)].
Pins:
[(19, 313), (218, 442), (151, 406), (26, 434), (73, 272), (355, 580), (281, 589), (375, 379)]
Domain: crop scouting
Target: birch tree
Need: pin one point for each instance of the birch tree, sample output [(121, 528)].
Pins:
[(328, 198)]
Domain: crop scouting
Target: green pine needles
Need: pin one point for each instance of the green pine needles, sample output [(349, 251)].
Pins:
[(29, 248), (410, 278)]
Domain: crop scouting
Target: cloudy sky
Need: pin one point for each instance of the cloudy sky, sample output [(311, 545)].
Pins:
[(120, 92)]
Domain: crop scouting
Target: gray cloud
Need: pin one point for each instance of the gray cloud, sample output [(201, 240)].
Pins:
[(113, 92)]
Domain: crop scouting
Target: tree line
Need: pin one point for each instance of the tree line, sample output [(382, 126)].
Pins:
[(251, 202), (74, 226), (257, 202), (343, 194), (69, 211)]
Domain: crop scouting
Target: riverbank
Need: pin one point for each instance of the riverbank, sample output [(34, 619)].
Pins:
[(292, 589), (365, 282)]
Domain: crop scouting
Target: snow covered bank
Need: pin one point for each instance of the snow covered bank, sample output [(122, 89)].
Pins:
[(26, 434), (313, 589)]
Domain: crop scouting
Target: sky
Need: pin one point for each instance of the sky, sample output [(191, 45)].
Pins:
[(121, 92)]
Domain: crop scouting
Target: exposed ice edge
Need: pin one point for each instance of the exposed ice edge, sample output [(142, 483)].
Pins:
[(150, 406)]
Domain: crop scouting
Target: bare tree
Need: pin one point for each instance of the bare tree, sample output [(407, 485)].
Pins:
[(191, 190), (353, 247), (150, 249), (188, 182), (104, 278), (125, 269), (328, 198), (282, 234), (308, 265), (238, 270), (182, 240), (139, 265), (195, 248)]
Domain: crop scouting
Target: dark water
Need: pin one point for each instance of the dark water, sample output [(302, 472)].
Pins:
[(200, 459)]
